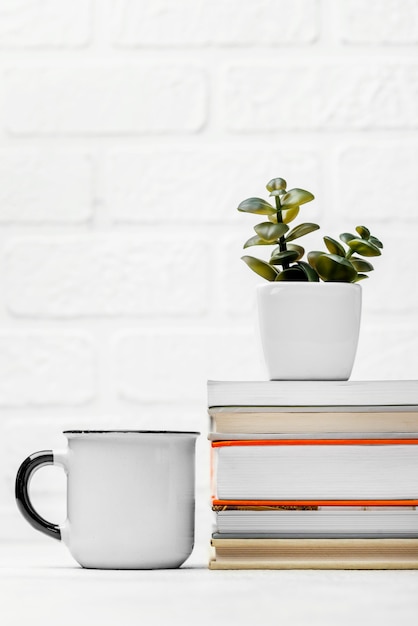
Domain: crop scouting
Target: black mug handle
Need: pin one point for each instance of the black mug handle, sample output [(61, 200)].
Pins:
[(24, 474)]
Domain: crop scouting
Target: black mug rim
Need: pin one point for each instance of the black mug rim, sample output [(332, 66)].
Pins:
[(142, 432)]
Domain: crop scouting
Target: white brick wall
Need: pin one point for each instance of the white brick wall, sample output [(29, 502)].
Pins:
[(116, 275), (129, 132), (347, 94), (45, 23), (104, 100), (231, 23), (41, 186), (44, 368), (384, 22)]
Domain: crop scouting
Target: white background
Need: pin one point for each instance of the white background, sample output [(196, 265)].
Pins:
[(129, 132)]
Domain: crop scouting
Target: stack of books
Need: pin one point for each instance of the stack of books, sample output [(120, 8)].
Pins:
[(314, 474)]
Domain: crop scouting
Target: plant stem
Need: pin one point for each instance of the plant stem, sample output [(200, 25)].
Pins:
[(282, 240), (349, 253)]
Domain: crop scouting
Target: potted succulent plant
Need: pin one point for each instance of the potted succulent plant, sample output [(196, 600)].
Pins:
[(309, 310)]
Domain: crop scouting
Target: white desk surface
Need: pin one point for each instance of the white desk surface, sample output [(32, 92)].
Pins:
[(42, 585)]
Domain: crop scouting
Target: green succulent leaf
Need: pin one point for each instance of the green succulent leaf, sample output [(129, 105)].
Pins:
[(376, 242), (296, 197), (276, 184), (261, 268), (270, 232), (360, 277), (283, 257), (334, 246), (290, 246), (292, 274), (298, 249), (346, 237), (256, 205), (363, 232), (310, 273), (256, 241), (365, 248), (278, 192), (335, 268), (290, 214), (301, 230), (361, 265), (313, 256)]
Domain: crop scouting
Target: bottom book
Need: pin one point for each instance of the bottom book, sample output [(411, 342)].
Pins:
[(314, 554)]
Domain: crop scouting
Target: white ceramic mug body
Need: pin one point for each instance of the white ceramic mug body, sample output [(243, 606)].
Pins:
[(309, 331), (130, 501)]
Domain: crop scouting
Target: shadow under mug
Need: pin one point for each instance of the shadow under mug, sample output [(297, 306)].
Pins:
[(130, 497)]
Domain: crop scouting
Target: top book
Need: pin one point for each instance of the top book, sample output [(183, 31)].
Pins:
[(313, 393)]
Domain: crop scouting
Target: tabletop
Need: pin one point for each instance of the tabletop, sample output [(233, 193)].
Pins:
[(41, 584)]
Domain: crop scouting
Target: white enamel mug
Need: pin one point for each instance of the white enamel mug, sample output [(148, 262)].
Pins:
[(130, 497)]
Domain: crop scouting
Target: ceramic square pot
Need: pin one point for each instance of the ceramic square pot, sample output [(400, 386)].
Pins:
[(309, 330)]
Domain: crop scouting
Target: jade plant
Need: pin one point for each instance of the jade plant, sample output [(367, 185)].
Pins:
[(342, 262)]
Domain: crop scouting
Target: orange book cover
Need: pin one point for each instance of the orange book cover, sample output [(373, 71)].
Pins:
[(314, 442), (313, 503)]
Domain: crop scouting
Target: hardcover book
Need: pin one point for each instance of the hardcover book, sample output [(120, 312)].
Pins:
[(314, 554), (306, 469), (295, 393), (292, 420), (317, 521)]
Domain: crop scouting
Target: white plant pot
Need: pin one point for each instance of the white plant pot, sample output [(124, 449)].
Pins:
[(309, 331)]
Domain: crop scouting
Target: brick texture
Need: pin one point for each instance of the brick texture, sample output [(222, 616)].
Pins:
[(381, 22), (106, 276), (130, 130), (366, 172), (108, 100), (45, 186), (224, 22), (45, 23), (46, 368), (347, 96)]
